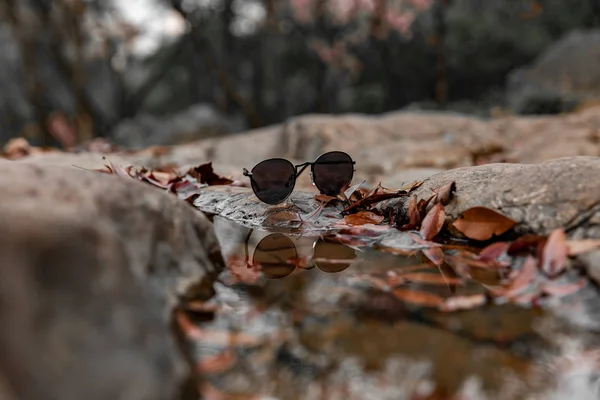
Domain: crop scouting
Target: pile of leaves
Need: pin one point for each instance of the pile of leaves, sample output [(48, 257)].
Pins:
[(183, 184)]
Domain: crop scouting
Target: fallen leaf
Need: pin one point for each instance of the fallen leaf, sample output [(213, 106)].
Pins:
[(463, 302), (576, 247), (422, 207), (217, 363), (481, 223), (411, 186), (444, 194), (433, 222), (525, 242), (418, 298), (418, 240), (362, 218), (554, 255), (435, 255), (431, 279), (347, 194), (493, 251), (365, 230), (554, 289), (204, 174), (325, 200), (414, 218), (522, 280), (375, 195)]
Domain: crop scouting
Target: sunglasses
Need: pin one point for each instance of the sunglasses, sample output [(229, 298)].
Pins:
[(273, 180)]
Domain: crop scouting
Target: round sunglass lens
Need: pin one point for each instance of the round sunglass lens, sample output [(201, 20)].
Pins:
[(331, 256), (273, 180), (276, 254), (332, 171)]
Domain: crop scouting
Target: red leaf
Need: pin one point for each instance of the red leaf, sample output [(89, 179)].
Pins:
[(433, 222), (362, 218), (422, 299), (493, 251), (371, 199), (481, 223), (463, 302), (525, 242), (444, 194), (554, 255), (554, 289)]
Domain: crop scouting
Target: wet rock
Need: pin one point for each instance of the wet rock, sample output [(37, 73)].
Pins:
[(565, 75), (561, 193), (90, 266)]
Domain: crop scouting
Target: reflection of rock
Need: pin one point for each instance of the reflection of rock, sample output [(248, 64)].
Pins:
[(563, 76), (90, 265)]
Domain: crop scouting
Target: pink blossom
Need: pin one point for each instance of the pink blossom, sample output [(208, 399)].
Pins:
[(302, 9), (400, 21)]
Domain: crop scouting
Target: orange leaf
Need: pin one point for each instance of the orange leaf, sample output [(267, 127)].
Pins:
[(554, 255), (481, 223), (577, 247), (433, 222), (323, 198), (423, 299), (362, 218)]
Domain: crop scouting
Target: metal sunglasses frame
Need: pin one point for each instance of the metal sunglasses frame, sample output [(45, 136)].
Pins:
[(297, 172)]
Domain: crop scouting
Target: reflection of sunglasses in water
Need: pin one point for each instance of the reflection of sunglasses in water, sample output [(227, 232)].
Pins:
[(277, 255)]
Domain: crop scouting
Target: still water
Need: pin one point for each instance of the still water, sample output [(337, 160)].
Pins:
[(309, 317)]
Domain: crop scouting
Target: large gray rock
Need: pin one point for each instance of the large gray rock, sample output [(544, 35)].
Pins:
[(90, 267), (560, 193), (566, 74)]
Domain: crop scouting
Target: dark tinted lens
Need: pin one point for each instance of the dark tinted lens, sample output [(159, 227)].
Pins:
[(332, 256), (332, 171), (273, 180), (276, 255)]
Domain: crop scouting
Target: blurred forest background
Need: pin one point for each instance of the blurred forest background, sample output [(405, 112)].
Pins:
[(145, 72)]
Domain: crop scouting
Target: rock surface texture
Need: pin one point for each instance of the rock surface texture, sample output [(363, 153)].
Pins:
[(91, 265)]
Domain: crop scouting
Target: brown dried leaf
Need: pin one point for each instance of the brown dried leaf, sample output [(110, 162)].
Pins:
[(325, 200), (481, 223), (493, 251), (370, 199), (444, 194), (414, 218), (576, 247), (362, 218), (525, 242), (411, 186), (422, 299), (204, 174), (463, 302), (524, 278), (554, 255), (433, 222)]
